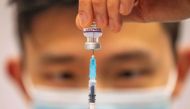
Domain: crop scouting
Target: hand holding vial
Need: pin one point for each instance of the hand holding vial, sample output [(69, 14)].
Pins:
[(112, 13)]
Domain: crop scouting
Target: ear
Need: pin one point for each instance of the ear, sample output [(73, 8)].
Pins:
[(14, 70), (183, 65)]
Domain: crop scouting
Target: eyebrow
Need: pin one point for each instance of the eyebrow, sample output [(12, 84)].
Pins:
[(57, 59), (130, 56)]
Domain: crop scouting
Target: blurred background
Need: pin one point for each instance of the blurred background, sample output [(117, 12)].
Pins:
[(10, 97)]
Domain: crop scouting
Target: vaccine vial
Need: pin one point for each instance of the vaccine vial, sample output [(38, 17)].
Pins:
[(92, 34)]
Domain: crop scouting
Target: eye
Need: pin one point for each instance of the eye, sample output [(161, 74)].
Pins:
[(131, 74), (66, 75), (61, 76), (127, 74)]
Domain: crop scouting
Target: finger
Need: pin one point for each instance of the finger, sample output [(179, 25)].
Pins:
[(114, 15), (78, 22), (136, 15), (100, 12), (85, 13), (126, 6)]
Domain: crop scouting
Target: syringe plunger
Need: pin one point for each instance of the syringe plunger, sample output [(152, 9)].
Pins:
[(92, 91)]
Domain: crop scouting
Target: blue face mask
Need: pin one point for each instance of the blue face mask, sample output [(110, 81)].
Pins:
[(151, 98), (156, 105)]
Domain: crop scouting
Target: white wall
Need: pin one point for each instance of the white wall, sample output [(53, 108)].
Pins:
[(10, 97)]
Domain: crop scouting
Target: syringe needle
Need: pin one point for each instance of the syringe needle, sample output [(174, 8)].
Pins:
[(92, 52)]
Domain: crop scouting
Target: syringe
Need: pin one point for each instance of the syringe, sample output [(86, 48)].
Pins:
[(92, 83), (92, 35)]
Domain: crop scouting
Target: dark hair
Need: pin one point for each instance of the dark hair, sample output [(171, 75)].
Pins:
[(27, 9), (173, 30)]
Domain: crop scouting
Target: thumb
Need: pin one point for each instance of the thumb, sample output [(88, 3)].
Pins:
[(78, 22)]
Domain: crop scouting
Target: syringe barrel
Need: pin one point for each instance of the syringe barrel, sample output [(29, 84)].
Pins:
[(92, 106)]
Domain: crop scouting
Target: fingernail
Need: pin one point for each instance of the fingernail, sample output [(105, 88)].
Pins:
[(122, 9), (83, 19), (114, 27), (99, 21), (111, 25)]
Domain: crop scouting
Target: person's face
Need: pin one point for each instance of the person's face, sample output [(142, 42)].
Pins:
[(138, 57)]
